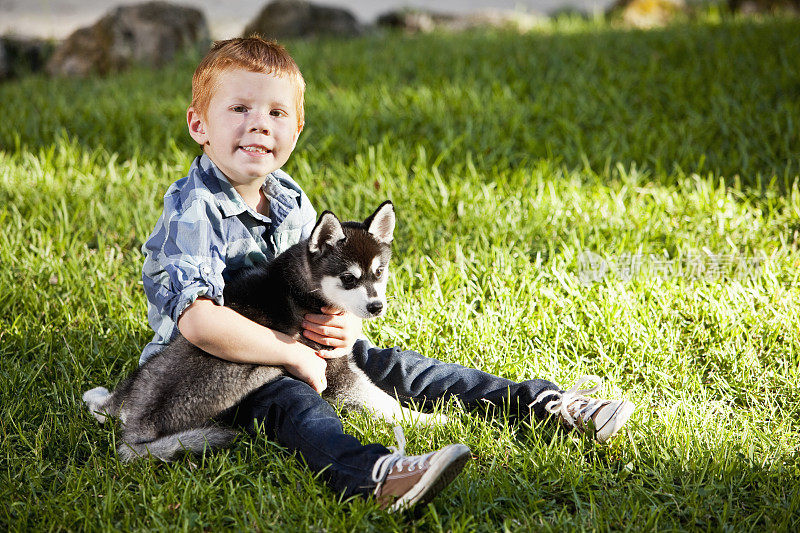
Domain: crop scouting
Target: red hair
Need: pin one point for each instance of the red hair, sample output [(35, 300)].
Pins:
[(253, 54)]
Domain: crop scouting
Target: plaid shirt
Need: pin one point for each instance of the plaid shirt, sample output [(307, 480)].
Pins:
[(205, 232)]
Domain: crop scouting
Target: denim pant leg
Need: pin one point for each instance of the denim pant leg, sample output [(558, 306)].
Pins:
[(296, 417), (409, 375)]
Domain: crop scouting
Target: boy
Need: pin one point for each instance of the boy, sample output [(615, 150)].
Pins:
[(236, 208)]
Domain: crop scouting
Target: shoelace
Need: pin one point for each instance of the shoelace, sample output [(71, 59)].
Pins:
[(383, 466), (558, 406)]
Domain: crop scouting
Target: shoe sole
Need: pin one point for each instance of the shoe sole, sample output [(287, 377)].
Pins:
[(447, 464)]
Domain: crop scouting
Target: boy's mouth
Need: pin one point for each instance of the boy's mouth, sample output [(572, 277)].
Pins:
[(255, 149)]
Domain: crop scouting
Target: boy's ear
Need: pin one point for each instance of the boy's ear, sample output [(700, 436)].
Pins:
[(381, 223), (297, 134), (197, 126), (326, 233)]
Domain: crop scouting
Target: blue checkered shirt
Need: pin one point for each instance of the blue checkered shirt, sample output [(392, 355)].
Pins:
[(207, 231)]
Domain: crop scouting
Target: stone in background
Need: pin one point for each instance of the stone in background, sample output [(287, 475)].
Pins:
[(23, 55), (149, 34), (423, 21), (286, 19)]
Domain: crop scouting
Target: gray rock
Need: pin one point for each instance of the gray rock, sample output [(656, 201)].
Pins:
[(149, 34), (5, 71), (286, 19), (508, 19), (414, 20), (23, 55)]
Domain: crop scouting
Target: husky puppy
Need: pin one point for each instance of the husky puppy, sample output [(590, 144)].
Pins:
[(168, 405)]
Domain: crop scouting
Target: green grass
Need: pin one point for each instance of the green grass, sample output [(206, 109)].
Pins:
[(506, 156)]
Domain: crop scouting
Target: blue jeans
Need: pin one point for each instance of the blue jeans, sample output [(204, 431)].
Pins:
[(293, 415)]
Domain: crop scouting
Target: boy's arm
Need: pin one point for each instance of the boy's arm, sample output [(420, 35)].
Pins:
[(223, 332)]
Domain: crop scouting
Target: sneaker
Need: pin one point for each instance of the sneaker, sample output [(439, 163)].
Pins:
[(601, 419), (406, 481)]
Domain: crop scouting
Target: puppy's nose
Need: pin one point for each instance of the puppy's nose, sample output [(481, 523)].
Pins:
[(374, 308)]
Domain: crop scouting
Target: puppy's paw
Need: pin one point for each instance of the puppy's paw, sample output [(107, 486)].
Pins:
[(95, 400)]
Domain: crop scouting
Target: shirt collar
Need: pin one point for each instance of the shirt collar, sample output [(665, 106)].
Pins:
[(281, 199)]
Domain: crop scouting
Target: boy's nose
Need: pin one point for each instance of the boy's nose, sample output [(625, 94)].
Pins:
[(259, 124)]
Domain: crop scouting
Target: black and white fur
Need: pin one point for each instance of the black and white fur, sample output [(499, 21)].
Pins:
[(168, 405)]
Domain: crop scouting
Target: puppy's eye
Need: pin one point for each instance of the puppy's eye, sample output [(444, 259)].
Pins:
[(379, 272), (347, 279)]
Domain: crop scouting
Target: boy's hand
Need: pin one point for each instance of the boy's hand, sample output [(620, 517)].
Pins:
[(309, 366), (335, 328)]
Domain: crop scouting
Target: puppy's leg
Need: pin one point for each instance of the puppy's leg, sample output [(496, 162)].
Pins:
[(169, 447), (97, 401), (365, 395)]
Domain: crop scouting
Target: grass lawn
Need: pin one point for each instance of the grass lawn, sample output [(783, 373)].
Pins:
[(509, 158)]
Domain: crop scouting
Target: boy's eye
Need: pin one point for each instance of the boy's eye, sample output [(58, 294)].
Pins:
[(277, 113), (238, 109)]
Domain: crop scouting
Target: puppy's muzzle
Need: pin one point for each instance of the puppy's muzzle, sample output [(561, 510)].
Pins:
[(375, 307)]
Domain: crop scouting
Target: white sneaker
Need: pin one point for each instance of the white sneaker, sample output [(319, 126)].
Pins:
[(602, 419)]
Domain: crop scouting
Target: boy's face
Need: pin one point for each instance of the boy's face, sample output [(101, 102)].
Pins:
[(250, 127)]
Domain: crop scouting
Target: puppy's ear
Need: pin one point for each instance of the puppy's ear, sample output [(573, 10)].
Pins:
[(381, 223), (327, 232)]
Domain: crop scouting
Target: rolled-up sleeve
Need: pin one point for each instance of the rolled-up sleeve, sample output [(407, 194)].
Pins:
[(184, 260)]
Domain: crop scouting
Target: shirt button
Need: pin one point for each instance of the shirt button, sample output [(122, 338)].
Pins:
[(205, 270)]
